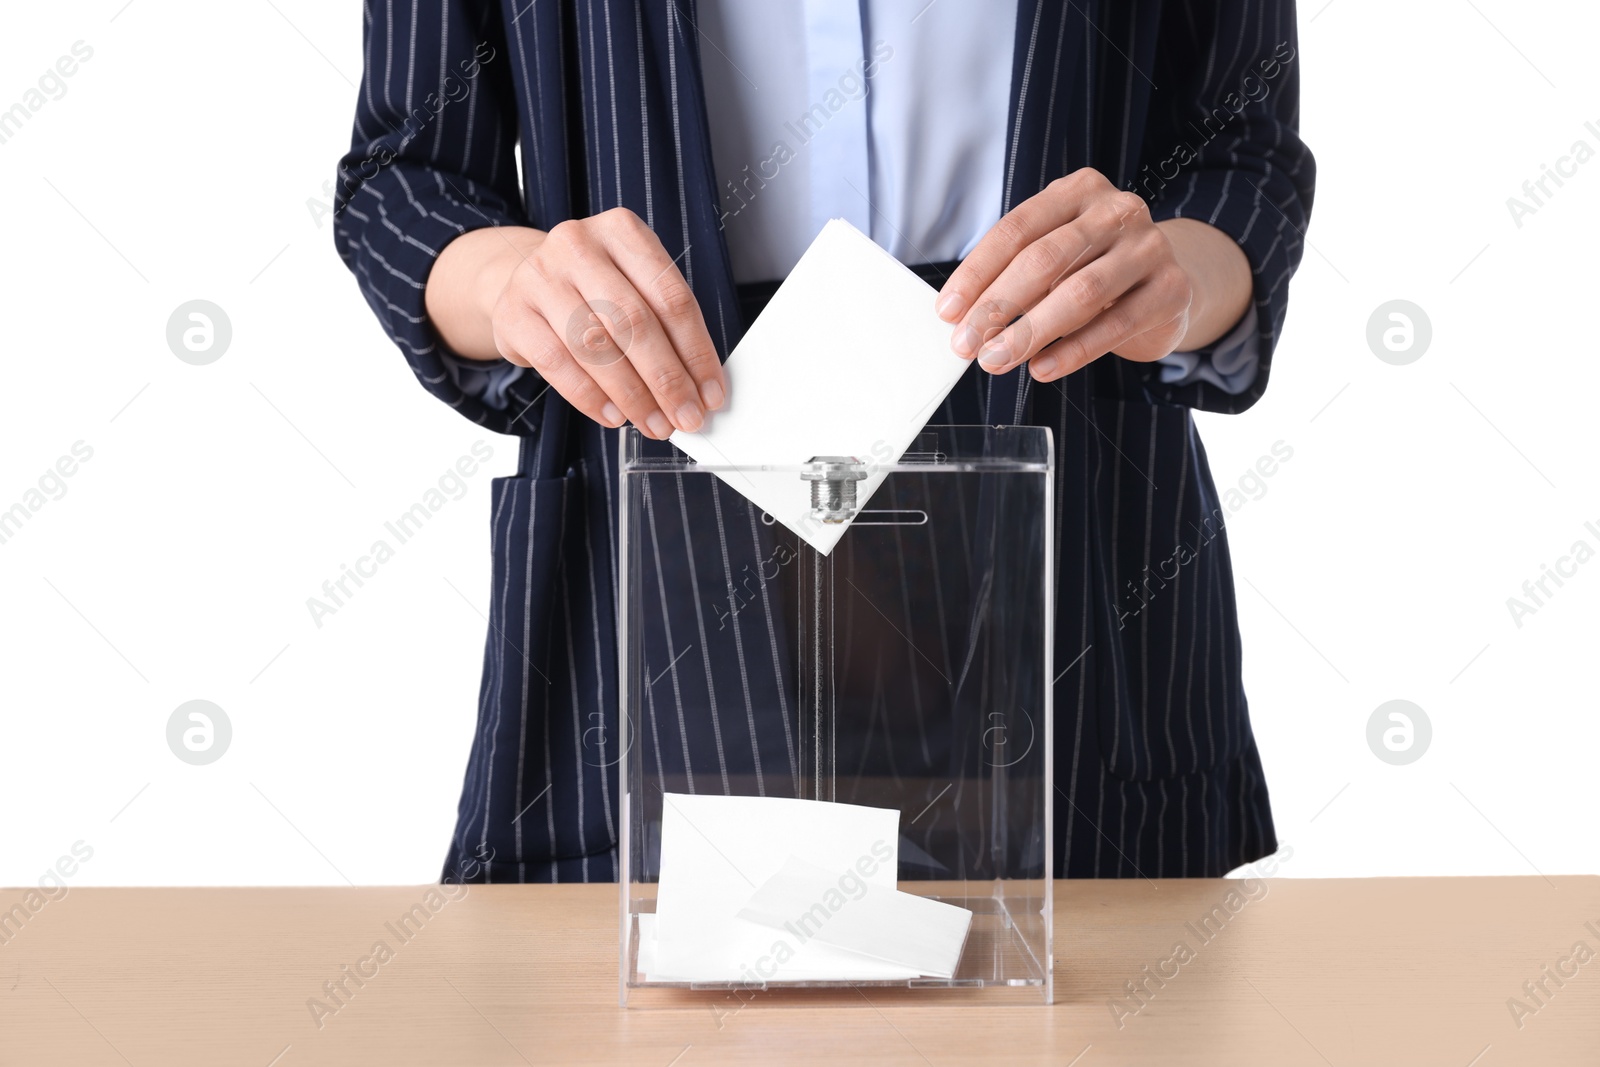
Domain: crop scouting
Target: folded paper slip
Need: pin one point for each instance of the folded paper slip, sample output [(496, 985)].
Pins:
[(716, 851), (838, 908)]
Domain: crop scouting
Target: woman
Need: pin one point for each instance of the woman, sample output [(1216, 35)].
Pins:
[(1124, 188)]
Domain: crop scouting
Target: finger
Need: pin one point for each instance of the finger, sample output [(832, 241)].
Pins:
[(1025, 281), (638, 254), (1066, 255), (1139, 315), (1060, 202), (524, 337), (1108, 221), (1084, 295), (637, 333), (585, 332)]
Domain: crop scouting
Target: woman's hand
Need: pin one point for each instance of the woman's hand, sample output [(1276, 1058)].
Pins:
[(1081, 270), (596, 306)]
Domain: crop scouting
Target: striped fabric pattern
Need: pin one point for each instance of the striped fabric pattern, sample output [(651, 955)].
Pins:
[(1194, 103)]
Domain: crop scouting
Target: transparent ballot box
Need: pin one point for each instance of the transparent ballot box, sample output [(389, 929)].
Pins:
[(902, 677)]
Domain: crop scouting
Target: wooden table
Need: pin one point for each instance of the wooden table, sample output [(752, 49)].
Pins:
[(1357, 972)]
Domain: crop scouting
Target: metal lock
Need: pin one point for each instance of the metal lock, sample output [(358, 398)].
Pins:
[(833, 486)]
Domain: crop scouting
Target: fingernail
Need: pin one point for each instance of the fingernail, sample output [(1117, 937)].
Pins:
[(689, 417), (611, 415), (994, 354), (948, 307), (965, 340), (659, 426), (712, 394), (1043, 367)]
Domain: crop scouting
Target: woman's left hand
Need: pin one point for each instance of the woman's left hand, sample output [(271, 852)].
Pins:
[(1067, 276)]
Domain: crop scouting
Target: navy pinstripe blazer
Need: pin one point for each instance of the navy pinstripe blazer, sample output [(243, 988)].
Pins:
[(1194, 103)]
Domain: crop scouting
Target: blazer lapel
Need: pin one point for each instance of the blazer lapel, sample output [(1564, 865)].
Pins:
[(1050, 68)]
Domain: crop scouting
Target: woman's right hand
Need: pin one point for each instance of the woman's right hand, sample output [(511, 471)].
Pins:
[(596, 306)]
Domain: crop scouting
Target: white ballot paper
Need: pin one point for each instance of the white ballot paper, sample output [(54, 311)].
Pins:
[(848, 359), (837, 909), (718, 855)]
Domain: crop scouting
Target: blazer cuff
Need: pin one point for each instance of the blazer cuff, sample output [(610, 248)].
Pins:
[(1230, 364), (486, 381)]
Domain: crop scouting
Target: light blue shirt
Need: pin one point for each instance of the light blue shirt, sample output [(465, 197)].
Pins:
[(890, 114)]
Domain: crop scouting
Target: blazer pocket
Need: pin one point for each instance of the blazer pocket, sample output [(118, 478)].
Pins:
[(1170, 699)]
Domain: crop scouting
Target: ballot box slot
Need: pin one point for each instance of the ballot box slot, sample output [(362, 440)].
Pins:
[(876, 517)]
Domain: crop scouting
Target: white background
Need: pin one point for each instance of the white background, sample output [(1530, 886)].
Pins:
[(179, 165)]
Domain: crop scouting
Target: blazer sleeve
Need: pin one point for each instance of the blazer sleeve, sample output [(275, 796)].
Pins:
[(1222, 145), (431, 157)]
